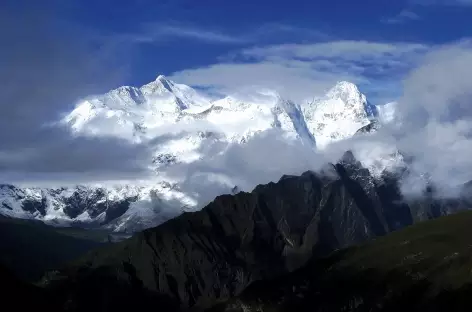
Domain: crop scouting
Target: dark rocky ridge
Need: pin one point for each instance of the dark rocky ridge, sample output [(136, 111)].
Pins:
[(204, 257)]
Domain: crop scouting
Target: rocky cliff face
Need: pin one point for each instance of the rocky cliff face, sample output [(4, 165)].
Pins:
[(203, 257)]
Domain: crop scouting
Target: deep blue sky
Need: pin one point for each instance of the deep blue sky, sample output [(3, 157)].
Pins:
[(119, 23)]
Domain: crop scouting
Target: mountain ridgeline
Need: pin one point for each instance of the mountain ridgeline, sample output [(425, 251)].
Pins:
[(199, 259)]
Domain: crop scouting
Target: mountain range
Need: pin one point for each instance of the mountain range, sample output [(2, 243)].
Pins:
[(280, 247), (183, 128)]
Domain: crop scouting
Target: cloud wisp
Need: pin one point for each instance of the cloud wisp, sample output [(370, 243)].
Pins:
[(162, 32), (43, 73), (403, 17), (300, 71)]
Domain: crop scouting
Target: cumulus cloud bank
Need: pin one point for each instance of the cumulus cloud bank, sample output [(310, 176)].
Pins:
[(436, 114)]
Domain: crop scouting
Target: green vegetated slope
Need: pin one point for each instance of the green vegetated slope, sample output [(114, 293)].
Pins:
[(425, 267), (29, 248)]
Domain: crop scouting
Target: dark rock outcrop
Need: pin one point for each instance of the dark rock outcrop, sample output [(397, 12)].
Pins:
[(369, 128)]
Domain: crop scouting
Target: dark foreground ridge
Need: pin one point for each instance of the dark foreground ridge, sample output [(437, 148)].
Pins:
[(205, 257), (18, 295), (426, 267), (29, 248)]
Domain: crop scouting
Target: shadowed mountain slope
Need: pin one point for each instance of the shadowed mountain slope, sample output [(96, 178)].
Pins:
[(426, 267), (211, 255), (30, 248)]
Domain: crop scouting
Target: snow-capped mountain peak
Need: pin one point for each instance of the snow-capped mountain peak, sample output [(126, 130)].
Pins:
[(346, 91), (163, 79), (131, 113), (159, 86), (338, 114), (184, 96), (350, 94), (200, 130)]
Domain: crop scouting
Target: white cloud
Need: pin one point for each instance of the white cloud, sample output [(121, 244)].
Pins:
[(442, 85), (402, 17), (437, 114), (304, 70), (264, 158)]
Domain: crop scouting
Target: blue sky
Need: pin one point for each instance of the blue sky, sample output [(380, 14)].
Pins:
[(288, 45), (55, 52)]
